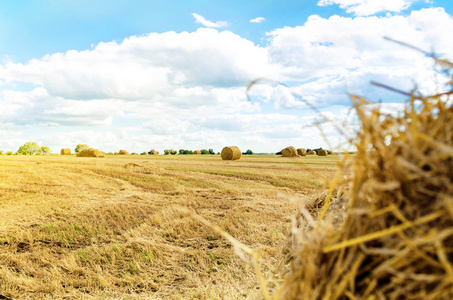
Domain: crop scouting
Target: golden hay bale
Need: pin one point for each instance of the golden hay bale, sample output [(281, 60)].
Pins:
[(301, 152), (289, 152), (311, 152), (154, 153), (90, 153), (231, 153), (123, 152), (322, 152), (65, 151), (395, 235), (197, 152)]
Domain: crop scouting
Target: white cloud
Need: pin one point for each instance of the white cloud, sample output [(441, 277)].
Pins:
[(187, 90), (257, 20), (207, 23), (369, 7)]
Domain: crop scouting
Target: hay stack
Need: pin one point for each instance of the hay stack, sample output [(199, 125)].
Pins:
[(301, 152), (65, 151), (231, 153), (311, 152), (396, 240), (322, 152), (154, 153), (197, 152), (123, 152), (90, 153), (289, 152)]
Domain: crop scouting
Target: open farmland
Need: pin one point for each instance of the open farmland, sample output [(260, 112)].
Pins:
[(88, 228)]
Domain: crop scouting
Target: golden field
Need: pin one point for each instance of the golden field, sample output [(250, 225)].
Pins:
[(115, 227)]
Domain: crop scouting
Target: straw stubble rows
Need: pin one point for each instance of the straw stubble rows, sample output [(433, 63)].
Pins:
[(116, 227)]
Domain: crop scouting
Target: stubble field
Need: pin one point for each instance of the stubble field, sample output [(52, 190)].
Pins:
[(116, 227)]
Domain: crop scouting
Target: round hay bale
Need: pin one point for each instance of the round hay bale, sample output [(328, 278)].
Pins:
[(322, 152), (311, 152), (231, 153), (301, 151), (154, 153), (197, 152), (90, 152), (65, 151), (123, 152), (289, 152)]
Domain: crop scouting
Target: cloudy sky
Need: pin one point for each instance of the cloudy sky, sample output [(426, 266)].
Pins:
[(145, 74)]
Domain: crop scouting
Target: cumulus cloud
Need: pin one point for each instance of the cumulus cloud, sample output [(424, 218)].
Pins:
[(369, 7), (257, 20), (188, 89), (207, 23)]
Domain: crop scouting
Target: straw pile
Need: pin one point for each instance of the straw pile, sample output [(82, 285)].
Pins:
[(311, 152), (231, 153), (90, 152), (395, 241), (154, 152), (197, 152), (65, 151), (289, 152), (123, 152), (301, 152), (322, 152)]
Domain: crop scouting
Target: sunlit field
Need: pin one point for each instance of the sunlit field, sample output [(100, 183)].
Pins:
[(116, 227)]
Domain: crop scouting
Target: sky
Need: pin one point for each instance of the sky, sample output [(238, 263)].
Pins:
[(141, 75)]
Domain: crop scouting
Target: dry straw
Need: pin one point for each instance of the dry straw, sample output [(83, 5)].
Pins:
[(289, 152), (123, 152), (311, 152), (65, 151), (90, 153), (322, 152), (197, 152), (390, 236), (301, 152), (231, 153)]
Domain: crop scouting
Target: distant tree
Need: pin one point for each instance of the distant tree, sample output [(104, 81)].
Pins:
[(211, 151), (1, 152), (9, 153), (133, 153), (152, 151), (80, 147), (173, 152), (204, 151), (181, 151), (280, 153), (109, 153), (45, 150), (166, 152), (29, 148), (143, 153), (248, 152)]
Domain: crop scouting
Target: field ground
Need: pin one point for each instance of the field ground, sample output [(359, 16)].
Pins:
[(74, 227)]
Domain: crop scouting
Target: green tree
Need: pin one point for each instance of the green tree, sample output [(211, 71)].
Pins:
[(29, 148), (45, 150), (166, 152), (211, 151), (248, 152), (80, 147), (181, 151), (204, 151)]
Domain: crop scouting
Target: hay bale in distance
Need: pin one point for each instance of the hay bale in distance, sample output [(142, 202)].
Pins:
[(301, 152), (154, 152), (289, 152), (90, 152), (65, 151), (231, 153), (123, 152), (322, 152), (197, 152), (311, 152)]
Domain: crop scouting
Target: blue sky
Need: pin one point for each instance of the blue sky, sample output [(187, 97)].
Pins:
[(144, 75)]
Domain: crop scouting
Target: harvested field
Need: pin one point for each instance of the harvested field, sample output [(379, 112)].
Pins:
[(82, 228)]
